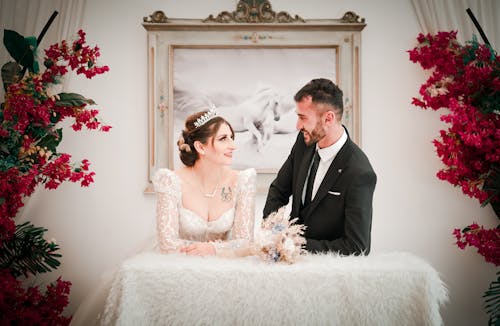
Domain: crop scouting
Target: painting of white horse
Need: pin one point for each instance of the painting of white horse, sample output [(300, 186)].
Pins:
[(253, 89), (256, 114)]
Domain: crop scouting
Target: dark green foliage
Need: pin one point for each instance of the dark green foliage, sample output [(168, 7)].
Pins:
[(72, 100), (19, 48), (28, 252), (492, 185), (9, 150), (11, 74), (488, 99), (492, 301)]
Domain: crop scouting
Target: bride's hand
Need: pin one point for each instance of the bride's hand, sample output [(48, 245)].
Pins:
[(199, 249)]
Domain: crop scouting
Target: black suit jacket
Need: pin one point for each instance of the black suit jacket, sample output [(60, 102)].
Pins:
[(339, 218)]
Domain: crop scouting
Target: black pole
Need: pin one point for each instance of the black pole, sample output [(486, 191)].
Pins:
[(46, 27), (481, 32)]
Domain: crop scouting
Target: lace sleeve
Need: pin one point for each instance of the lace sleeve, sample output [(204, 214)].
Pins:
[(244, 216), (168, 189)]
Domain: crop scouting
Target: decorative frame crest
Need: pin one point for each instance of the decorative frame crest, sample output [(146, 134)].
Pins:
[(157, 17), (253, 11)]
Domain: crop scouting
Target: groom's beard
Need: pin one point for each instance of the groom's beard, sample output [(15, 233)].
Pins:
[(315, 135)]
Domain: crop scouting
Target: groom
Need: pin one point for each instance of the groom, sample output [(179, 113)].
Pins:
[(328, 176)]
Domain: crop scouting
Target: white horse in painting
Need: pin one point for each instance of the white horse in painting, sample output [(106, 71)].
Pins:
[(257, 114)]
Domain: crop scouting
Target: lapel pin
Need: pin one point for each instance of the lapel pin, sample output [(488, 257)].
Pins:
[(340, 170)]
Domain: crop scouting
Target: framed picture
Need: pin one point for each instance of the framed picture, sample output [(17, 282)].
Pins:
[(250, 71), (260, 106)]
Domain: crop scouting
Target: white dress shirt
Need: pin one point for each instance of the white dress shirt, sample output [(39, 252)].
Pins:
[(326, 155)]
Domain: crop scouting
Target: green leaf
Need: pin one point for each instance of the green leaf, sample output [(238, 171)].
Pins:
[(492, 300), (73, 99), (31, 40), (11, 74), (8, 163), (19, 48), (486, 100), (54, 117), (28, 251), (51, 141), (9, 150), (492, 186)]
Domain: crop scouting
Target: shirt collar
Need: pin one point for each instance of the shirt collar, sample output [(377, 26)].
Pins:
[(329, 153)]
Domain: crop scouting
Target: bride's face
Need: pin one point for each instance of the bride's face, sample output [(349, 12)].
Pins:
[(222, 146)]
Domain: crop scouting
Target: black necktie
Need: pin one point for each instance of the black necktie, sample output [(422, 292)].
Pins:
[(310, 180)]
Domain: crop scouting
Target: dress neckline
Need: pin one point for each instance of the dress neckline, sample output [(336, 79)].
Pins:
[(179, 181), (208, 221)]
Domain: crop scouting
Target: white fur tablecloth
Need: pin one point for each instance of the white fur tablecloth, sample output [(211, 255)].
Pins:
[(386, 289)]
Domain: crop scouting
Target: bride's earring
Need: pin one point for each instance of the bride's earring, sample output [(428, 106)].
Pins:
[(226, 194)]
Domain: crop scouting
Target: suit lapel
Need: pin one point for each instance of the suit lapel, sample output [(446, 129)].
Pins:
[(302, 175), (334, 171)]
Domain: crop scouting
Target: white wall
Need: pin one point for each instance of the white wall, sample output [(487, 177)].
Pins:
[(413, 211)]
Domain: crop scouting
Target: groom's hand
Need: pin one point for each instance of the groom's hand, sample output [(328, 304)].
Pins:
[(199, 249)]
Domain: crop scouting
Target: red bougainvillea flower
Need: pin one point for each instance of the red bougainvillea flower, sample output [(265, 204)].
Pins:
[(465, 83), (487, 241), (29, 306), (29, 124), (30, 133), (470, 146)]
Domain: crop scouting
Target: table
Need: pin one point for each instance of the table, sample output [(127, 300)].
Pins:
[(384, 289)]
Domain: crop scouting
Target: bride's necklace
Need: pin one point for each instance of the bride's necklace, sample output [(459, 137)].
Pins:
[(209, 195)]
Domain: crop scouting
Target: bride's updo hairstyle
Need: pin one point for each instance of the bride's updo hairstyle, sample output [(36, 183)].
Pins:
[(201, 133)]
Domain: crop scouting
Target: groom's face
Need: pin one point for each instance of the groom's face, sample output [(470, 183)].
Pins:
[(309, 121)]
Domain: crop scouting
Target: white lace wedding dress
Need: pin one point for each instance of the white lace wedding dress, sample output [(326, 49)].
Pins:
[(178, 226)]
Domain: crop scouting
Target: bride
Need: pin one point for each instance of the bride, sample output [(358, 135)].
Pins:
[(205, 207)]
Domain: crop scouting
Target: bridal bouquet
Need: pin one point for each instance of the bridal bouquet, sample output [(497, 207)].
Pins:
[(280, 239)]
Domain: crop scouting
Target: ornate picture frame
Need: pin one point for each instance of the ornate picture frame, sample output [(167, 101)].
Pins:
[(240, 61)]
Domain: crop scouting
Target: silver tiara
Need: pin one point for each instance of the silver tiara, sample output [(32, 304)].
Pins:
[(205, 117)]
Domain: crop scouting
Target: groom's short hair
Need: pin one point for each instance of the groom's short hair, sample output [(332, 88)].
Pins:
[(322, 91)]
